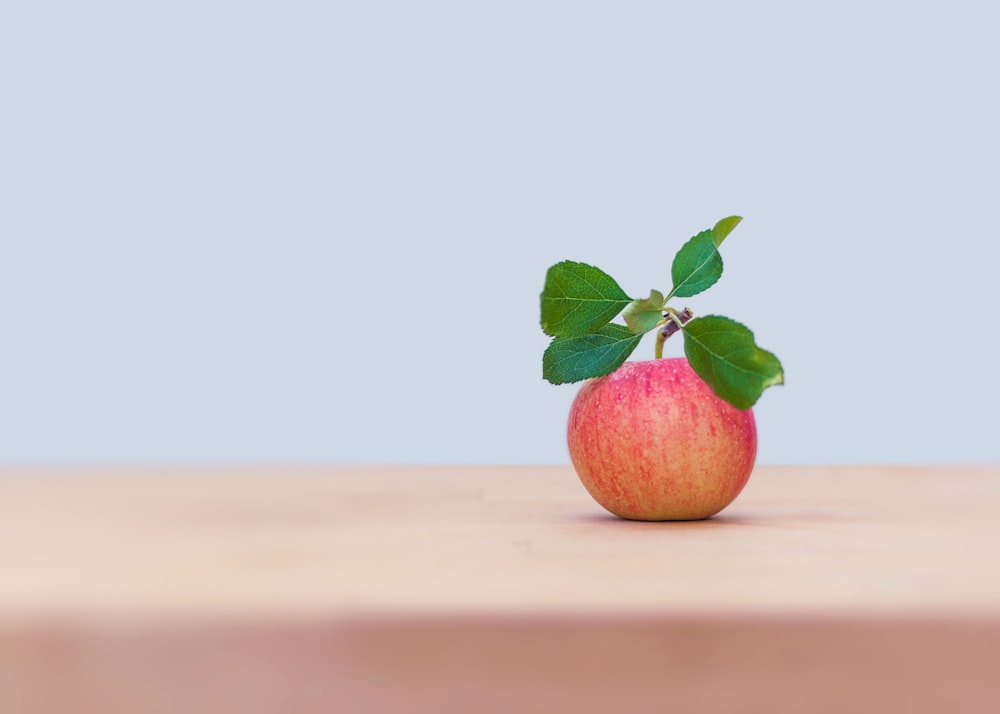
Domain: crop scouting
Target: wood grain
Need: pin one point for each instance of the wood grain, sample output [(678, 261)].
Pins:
[(494, 589)]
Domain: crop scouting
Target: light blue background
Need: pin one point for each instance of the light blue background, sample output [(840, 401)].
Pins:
[(317, 231)]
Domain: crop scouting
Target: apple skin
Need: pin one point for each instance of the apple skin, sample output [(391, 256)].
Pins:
[(651, 441)]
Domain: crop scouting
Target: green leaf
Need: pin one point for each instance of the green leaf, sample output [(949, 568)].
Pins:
[(724, 354), (723, 228), (572, 359), (579, 298), (643, 314), (696, 267)]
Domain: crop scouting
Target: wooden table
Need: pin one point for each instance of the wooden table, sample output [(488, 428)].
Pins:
[(494, 589)]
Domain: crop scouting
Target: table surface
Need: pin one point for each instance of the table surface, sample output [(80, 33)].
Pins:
[(117, 548), (491, 540)]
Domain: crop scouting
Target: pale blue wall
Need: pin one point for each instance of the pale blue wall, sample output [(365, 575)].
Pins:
[(317, 231)]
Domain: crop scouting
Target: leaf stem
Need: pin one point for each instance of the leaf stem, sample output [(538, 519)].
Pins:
[(674, 321)]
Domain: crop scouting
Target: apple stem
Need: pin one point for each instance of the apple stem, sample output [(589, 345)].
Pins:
[(674, 322)]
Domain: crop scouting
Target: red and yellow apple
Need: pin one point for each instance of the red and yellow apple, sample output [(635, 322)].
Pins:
[(651, 441)]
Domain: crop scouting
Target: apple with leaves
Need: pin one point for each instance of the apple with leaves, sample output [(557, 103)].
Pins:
[(661, 439)]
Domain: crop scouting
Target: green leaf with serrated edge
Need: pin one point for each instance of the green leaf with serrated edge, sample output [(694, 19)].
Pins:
[(723, 228), (572, 359), (696, 267), (579, 298), (643, 314), (724, 354)]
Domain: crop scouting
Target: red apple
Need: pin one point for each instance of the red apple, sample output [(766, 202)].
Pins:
[(651, 441)]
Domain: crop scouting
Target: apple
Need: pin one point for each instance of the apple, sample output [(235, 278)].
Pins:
[(651, 441)]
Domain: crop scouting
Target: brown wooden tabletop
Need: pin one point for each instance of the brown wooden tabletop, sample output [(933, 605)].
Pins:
[(479, 589)]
